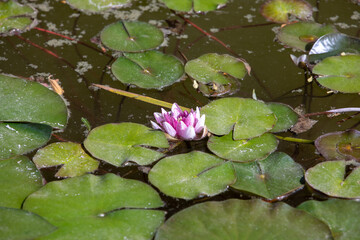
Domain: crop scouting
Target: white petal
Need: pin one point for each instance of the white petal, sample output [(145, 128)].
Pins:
[(188, 133), (155, 126), (169, 129), (158, 117), (176, 110), (200, 124), (197, 113)]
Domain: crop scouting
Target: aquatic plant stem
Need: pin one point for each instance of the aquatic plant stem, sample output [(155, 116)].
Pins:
[(339, 110), (296, 140)]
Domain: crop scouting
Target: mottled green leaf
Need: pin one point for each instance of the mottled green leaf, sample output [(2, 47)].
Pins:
[(97, 5), (285, 115), (197, 5)]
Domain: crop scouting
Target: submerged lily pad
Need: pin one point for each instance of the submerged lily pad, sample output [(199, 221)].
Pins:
[(74, 160), (241, 220), (339, 73), (96, 6), (249, 118), (30, 102), (278, 10), (151, 69), (332, 179), (192, 175), (243, 150), (285, 115), (339, 145), (197, 5), (18, 178), (276, 176), (131, 36), (299, 35), (21, 138), (118, 143), (91, 207)]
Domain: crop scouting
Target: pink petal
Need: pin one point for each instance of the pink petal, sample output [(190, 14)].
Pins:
[(158, 117), (176, 110), (188, 133), (155, 126), (169, 129), (200, 124), (190, 120)]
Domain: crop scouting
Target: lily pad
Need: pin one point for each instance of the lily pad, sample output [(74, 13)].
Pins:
[(339, 145), (18, 179), (286, 117), (131, 36), (299, 35), (278, 10), (332, 179), (16, 224), (192, 175), (21, 138), (15, 18), (242, 219), (96, 6), (30, 102), (74, 160), (91, 207), (197, 5), (151, 69), (272, 178), (249, 118), (118, 143), (243, 150), (339, 73)]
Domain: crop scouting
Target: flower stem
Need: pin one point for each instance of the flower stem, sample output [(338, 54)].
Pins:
[(297, 140), (339, 110)]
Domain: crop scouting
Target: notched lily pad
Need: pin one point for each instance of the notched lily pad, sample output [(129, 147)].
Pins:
[(118, 143), (97, 6), (286, 117), (197, 5), (151, 69), (74, 160), (192, 175)]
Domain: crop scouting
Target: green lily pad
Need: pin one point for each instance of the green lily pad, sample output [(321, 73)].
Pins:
[(286, 117), (118, 143), (342, 216), (249, 118), (339, 73), (243, 150), (332, 179), (16, 224), (278, 10), (197, 5), (18, 178), (21, 138), (15, 18), (299, 35), (74, 159), (339, 145), (192, 175), (30, 102), (131, 36), (96, 6), (151, 69), (242, 219), (91, 207), (272, 178)]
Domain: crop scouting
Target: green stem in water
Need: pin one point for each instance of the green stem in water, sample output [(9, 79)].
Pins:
[(297, 140)]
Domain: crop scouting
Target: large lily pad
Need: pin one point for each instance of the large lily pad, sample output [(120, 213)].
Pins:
[(286, 116), (276, 176), (249, 118), (117, 143), (131, 36), (192, 175), (18, 178), (339, 145), (242, 219), (243, 150), (339, 73), (16, 224), (30, 102), (21, 138), (342, 216), (91, 207), (332, 179), (96, 6), (298, 35), (74, 160), (197, 5), (278, 10), (151, 69)]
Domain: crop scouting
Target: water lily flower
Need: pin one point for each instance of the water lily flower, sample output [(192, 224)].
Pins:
[(181, 124)]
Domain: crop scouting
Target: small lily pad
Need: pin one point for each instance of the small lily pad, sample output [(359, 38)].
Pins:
[(242, 220), (118, 143), (276, 176), (197, 5), (278, 10), (18, 178), (131, 36), (286, 117), (151, 69), (299, 35), (249, 118), (243, 150), (332, 179), (341, 215), (339, 73), (192, 175), (74, 159), (96, 6)]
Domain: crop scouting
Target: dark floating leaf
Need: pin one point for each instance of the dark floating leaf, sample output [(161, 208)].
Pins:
[(285, 115), (96, 6), (197, 5), (304, 123)]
